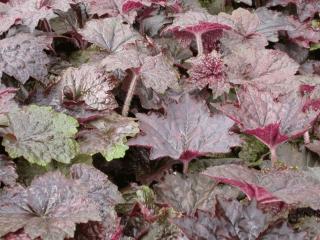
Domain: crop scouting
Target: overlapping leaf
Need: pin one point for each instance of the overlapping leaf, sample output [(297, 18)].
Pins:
[(104, 193), (245, 30), (7, 103), (295, 187), (192, 192), (40, 135), (195, 25), (271, 22), (22, 57), (29, 12), (107, 136), (183, 132), (8, 175), (271, 121), (103, 7), (158, 73), (49, 208), (306, 9), (232, 220), (266, 69), (209, 70), (88, 84), (109, 33)]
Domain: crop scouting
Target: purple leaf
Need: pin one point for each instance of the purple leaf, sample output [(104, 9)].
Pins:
[(186, 193), (109, 33), (103, 7), (209, 70), (271, 121), (22, 57), (271, 22), (29, 12), (301, 33), (104, 193), (194, 25), (49, 208), (7, 103), (265, 69), (8, 175), (232, 220), (306, 9), (183, 132), (107, 135), (289, 186), (245, 30), (158, 73), (19, 235), (88, 84)]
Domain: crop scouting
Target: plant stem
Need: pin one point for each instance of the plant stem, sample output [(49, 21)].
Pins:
[(306, 137), (274, 157), (199, 44), (130, 93), (185, 167)]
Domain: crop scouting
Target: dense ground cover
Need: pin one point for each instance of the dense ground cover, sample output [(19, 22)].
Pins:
[(159, 119)]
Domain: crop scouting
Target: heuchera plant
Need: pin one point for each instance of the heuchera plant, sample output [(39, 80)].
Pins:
[(130, 119)]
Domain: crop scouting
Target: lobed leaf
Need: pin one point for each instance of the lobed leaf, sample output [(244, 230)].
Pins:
[(183, 132), (49, 208), (107, 135), (40, 135), (109, 33), (22, 57), (289, 186), (271, 121)]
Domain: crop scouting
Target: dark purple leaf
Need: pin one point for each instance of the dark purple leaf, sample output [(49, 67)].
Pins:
[(49, 208), (19, 235), (189, 193), (289, 186), (183, 132), (310, 67), (104, 193), (232, 220), (271, 121)]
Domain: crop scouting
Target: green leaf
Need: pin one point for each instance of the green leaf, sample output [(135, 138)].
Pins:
[(39, 134), (107, 136)]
